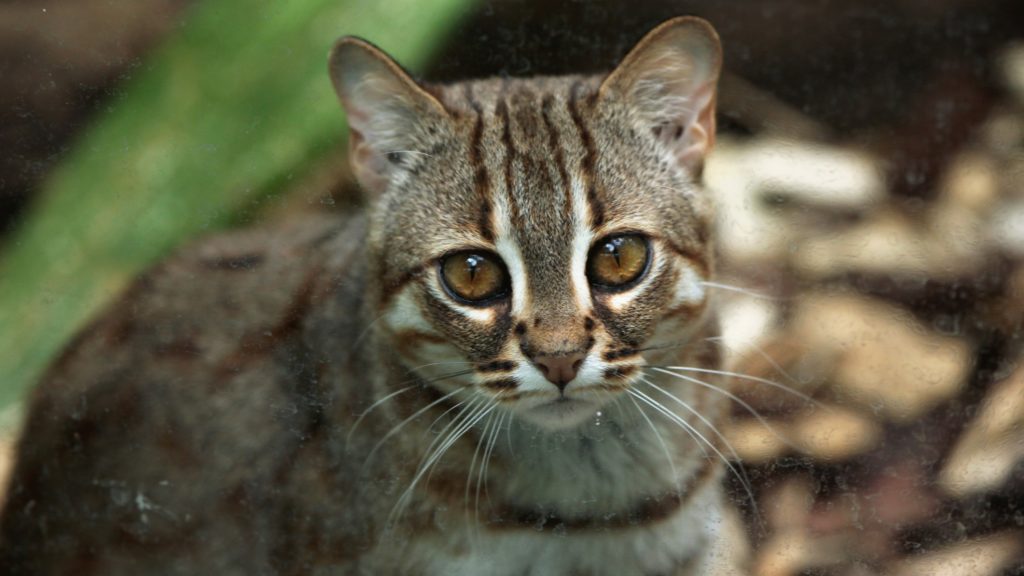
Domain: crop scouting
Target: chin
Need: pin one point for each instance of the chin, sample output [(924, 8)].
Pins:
[(560, 413)]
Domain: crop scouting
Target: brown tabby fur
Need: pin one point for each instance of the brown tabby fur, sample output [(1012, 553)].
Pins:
[(261, 402)]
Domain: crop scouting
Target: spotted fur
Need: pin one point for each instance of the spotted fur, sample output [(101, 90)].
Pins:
[(320, 403)]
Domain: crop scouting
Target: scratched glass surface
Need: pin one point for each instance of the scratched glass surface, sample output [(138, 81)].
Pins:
[(868, 176)]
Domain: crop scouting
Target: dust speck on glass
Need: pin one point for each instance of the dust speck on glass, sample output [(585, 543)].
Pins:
[(513, 287)]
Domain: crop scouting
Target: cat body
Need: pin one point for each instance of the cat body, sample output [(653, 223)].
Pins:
[(463, 380)]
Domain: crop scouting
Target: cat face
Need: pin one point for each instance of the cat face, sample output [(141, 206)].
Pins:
[(536, 241)]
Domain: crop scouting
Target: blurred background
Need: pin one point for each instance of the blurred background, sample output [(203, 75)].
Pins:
[(869, 176)]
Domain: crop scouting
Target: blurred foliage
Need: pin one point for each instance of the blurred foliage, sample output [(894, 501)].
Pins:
[(237, 103)]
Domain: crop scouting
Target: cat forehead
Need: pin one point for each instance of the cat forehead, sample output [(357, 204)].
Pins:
[(529, 145)]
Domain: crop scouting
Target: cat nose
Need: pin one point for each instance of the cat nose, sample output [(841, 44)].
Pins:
[(560, 370)]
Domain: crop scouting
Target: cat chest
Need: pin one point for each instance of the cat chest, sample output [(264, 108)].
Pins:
[(671, 546)]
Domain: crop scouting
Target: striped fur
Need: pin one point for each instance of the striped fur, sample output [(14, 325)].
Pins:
[(328, 407)]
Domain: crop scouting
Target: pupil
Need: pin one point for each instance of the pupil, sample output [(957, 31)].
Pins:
[(472, 265), (612, 248)]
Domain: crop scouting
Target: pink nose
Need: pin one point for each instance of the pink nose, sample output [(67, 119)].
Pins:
[(560, 370)]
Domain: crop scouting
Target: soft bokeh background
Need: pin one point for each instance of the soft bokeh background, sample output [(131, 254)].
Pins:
[(870, 177)]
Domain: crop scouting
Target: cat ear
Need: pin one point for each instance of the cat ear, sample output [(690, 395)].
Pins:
[(384, 107), (669, 79)]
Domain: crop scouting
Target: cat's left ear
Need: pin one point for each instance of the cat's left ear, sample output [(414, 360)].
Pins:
[(387, 111), (669, 80)]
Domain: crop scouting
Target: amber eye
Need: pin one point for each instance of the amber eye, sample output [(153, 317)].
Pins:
[(475, 277), (616, 261)]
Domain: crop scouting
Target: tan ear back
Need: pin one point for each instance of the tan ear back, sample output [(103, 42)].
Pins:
[(669, 80), (384, 107)]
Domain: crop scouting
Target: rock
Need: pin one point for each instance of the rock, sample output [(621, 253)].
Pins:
[(987, 556), (993, 443), (885, 359), (832, 433)]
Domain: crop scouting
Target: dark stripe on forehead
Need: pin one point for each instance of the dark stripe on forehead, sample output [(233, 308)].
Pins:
[(563, 173), (589, 157), (501, 110), (482, 181)]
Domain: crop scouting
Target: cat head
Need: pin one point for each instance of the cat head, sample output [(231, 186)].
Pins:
[(535, 241)]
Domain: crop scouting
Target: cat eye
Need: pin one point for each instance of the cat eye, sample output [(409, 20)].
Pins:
[(474, 277), (617, 261)]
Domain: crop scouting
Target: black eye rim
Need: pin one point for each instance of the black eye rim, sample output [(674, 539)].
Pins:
[(498, 297), (615, 288)]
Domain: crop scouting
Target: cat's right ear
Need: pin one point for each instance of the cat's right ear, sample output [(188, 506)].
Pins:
[(669, 79), (384, 107)]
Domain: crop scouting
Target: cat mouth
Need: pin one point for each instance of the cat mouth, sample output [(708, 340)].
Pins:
[(562, 412)]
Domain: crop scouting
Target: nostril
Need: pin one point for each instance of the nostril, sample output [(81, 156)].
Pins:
[(560, 370)]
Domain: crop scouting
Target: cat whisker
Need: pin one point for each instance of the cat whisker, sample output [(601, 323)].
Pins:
[(665, 346), (481, 441), (661, 441), (762, 353), (478, 413), (409, 152), (740, 473), (348, 437), (508, 433), (733, 397), (398, 427), (739, 290), (365, 413), (369, 327), (437, 446), (482, 476), (750, 378), (415, 368)]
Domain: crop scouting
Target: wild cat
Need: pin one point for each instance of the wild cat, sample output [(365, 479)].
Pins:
[(500, 367)]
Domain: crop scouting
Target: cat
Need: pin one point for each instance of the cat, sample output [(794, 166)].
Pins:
[(468, 378)]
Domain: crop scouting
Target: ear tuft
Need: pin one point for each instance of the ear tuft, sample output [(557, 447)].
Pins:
[(384, 107), (669, 81)]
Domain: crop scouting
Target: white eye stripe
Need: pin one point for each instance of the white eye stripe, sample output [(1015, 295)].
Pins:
[(689, 288), (513, 258), (405, 314), (582, 238)]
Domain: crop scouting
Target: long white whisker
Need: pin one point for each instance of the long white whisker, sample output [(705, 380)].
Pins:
[(741, 376), (471, 406), (482, 475), (409, 152), (762, 353), (686, 426), (472, 464), (732, 396), (741, 476), (348, 437), (402, 424), (478, 413), (415, 368), (661, 441), (739, 290)]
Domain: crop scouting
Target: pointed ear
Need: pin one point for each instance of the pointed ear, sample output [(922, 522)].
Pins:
[(669, 82), (385, 109)]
